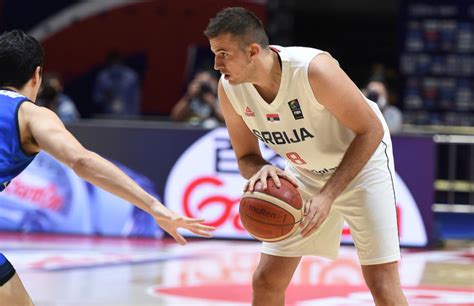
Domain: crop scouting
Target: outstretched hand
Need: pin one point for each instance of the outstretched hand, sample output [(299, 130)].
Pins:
[(172, 221), (263, 173)]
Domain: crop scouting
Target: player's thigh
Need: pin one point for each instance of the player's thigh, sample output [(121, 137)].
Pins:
[(370, 211), (13, 293), (325, 241), (275, 271)]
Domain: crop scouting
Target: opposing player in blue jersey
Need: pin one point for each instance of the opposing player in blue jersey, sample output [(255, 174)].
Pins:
[(26, 129)]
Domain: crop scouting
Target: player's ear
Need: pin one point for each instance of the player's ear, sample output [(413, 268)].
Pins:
[(37, 76), (254, 49)]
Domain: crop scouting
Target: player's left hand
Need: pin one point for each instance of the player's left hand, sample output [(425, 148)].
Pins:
[(315, 211)]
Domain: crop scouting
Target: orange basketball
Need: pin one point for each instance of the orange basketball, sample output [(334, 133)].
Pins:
[(273, 214)]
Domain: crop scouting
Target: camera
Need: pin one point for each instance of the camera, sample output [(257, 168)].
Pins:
[(204, 88)]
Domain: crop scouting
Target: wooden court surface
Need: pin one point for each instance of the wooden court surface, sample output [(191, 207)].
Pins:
[(80, 271)]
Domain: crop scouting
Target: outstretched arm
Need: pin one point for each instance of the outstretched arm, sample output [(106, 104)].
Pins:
[(43, 130)]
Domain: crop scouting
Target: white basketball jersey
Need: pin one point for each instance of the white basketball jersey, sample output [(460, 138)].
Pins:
[(295, 125)]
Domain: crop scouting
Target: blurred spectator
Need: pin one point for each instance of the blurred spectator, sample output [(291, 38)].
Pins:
[(199, 105), (51, 96), (377, 92), (117, 89)]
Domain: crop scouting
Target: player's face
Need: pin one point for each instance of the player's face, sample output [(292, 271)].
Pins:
[(229, 58)]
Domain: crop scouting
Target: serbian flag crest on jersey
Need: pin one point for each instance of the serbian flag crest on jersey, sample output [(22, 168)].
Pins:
[(273, 117)]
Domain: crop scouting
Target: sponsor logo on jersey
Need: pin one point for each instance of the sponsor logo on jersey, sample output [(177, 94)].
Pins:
[(273, 117), (324, 171), (249, 112), (283, 137), (296, 109)]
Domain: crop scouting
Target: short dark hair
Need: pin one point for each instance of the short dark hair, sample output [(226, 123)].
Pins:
[(20, 54), (238, 22)]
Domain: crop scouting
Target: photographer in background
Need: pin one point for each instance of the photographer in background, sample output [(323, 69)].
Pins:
[(199, 105), (51, 96), (377, 92), (117, 89)]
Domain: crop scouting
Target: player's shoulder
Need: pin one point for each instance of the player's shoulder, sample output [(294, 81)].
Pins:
[(29, 107), (298, 54), (30, 112)]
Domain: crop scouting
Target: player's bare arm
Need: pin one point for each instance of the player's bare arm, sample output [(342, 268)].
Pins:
[(245, 144), (340, 96), (251, 163), (41, 129)]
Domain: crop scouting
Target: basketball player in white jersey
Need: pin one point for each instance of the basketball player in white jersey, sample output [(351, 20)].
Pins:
[(301, 104)]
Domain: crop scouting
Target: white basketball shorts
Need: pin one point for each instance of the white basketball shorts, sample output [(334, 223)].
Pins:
[(368, 207)]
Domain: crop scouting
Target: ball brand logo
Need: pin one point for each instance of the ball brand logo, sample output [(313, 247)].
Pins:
[(262, 211)]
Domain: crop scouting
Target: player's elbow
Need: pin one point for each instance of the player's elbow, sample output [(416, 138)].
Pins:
[(81, 162), (375, 133), (378, 131)]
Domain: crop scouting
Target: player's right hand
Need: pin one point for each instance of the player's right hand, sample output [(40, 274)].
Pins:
[(263, 173)]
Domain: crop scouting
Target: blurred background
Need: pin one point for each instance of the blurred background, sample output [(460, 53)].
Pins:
[(134, 81)]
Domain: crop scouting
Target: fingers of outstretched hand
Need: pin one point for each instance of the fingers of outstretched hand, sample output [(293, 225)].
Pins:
[(199, 232), (196, 226), (201, 227), (178, 237), (192, 220)]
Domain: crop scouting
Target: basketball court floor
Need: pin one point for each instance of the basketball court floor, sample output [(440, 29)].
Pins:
[(81, 271)]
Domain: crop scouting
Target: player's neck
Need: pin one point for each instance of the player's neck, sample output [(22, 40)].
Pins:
[(25, 91), (268, 76)]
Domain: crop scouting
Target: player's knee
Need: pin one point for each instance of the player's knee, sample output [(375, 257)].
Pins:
[(379, 288), (384, 292), (265, 281)]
